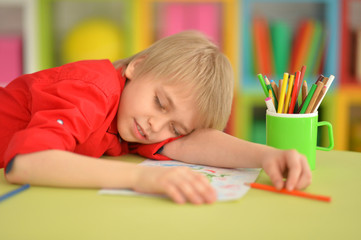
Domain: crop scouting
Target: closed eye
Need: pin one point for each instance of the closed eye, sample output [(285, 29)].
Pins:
[(174, 129), (158, 103)]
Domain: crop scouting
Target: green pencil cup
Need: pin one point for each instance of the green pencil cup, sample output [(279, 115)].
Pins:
[(297, 131)]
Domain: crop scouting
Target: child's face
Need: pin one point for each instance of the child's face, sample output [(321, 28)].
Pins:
[(151, 112)]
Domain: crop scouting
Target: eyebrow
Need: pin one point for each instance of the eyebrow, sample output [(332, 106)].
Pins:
[(171, 103)]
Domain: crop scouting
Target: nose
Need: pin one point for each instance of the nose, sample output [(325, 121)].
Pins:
[(157, 124)]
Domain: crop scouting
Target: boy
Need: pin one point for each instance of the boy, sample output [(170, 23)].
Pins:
[(170, 101)]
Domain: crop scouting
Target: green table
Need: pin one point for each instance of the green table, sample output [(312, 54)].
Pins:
[(51, 213)]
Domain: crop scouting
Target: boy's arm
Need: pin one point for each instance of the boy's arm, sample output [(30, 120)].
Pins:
[(215, 148), (66, 169)]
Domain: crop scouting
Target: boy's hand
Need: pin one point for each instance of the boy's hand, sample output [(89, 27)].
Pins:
[(290, 165), (181, 184)]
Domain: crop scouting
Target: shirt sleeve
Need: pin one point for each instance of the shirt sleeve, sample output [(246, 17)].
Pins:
[(63, 114), (152, 151)]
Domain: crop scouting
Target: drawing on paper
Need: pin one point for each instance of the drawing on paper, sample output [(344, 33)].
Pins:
[(228, 183)]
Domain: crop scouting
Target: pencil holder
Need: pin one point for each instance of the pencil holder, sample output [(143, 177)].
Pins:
[(297, 131)]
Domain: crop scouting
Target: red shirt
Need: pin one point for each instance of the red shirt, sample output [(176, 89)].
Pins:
[(72, 108)]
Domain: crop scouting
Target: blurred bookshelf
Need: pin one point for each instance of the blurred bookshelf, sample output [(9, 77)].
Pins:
[(215, 18), (48, 33), (348, 107), (80, 29), (293, 33), (18, 38), (350, 51)]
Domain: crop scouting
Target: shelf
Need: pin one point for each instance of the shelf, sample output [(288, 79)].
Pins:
[(76, 30), (350, 23), (45, 25), (348, 119), (17, 38), (291, 12), (216, 18), (252, 110), (348, 107)]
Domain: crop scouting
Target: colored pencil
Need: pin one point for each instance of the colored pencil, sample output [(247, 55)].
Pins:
[(308, 99), (294, 92), (266, 80), (270, 89), (293, 192), (14, 192), (303, 70), (269, 104), (275, 89), (263, 84), (279, 87), (328, 84), (271, 96), (320, 78), (282, 93), (289, 91), (314, 97), (304, 90), (320, 96), (325, 80)]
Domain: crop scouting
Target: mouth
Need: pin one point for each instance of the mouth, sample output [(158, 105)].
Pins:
[(139, 131)]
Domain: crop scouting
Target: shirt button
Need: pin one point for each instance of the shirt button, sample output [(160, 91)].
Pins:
[(60, 121)]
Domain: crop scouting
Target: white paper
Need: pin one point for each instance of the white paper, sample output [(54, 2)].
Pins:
[(228, 183)]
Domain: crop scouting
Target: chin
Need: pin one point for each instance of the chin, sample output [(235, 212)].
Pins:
[(124, 136), (130, 138)]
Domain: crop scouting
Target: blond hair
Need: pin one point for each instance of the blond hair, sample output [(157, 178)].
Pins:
[(189, 58)]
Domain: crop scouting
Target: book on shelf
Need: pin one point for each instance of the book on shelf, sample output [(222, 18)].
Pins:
[(281, 36), (277, 48), (262, 47), (320, 58), (314, 49), (357, 62), (177, 17), (10, 58), (172, 19), (302, 43), (208, 17)]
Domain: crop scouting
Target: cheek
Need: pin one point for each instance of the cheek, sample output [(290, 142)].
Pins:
[(126, 102), (120, 119), (132, 106)]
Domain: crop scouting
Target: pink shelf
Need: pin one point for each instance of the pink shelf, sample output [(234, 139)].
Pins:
[(10, 58)]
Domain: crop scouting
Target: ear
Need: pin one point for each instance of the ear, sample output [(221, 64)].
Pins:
[(130, 70)]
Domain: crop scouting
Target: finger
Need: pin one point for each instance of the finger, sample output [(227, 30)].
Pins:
[(294, 168), (306, 176), (189, 192), (183, 179), (197, 189), (204, 188), (174, 178), (275, 174), (173, 192), (191, 186)]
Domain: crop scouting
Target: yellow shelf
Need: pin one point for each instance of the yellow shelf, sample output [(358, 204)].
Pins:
[(346, 97)]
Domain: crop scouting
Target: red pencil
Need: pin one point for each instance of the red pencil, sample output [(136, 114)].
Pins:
[(303, 70), (294, 92), (294, 192)]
